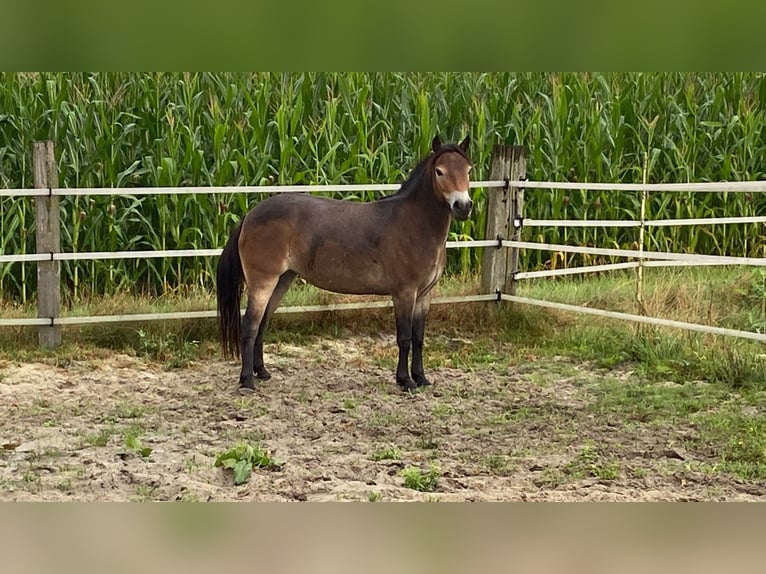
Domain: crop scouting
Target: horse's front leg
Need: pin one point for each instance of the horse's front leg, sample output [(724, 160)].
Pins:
[(422, 306), (403, 312)]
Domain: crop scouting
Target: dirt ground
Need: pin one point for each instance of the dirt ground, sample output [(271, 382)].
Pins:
[(333, 415)]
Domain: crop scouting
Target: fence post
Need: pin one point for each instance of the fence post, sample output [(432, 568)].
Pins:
[(518, 173), (48, 240), (503, 205)]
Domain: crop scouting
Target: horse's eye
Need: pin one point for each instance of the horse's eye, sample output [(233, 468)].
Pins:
[(439, 172)]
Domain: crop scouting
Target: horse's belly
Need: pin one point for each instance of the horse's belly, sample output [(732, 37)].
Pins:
[(343, 273)]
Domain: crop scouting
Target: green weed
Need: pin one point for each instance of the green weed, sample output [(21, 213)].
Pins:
[(416, 479), (243, 458)]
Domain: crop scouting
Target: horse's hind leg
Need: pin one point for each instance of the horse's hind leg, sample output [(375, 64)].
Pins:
[(422, 306), (285, 281), (258, 297)]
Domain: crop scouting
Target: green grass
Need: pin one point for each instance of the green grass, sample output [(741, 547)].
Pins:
[(416, 479), (387, 453), (587, 463), (737, 440)]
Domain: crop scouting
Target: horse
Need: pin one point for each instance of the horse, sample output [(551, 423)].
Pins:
[(395, 245)]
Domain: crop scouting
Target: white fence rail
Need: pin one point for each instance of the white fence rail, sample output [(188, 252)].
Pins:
[(637, 318), (648, 223), (191, 190)]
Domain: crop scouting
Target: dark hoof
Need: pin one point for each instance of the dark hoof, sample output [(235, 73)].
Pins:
[(407, 385), (246, 386), (421, 381), (262, 374)]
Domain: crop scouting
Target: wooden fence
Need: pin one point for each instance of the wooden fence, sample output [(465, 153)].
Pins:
[(503, 245)]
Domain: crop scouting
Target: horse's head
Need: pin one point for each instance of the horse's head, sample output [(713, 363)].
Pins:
[(450, 169)]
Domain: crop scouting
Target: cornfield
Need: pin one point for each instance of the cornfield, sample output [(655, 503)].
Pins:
[(168, 129)]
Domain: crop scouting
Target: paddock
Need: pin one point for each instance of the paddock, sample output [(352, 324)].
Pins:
[(510, 430)]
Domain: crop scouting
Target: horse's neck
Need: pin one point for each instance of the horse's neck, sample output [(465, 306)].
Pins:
[(433, 219)]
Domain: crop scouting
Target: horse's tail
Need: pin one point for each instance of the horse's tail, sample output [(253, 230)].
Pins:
[(230, 281)]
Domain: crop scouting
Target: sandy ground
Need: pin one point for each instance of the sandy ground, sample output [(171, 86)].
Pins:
[(517, 433)]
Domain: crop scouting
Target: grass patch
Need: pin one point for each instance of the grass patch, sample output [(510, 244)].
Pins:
[(416, 479), (587, 463), (387, 453), (737, 441), (649, 402), (497, 464), (100, 438)]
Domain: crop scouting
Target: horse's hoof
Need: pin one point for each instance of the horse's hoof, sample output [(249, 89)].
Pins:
[(421, 381), (246, 386), (262, 374), (407, 385)]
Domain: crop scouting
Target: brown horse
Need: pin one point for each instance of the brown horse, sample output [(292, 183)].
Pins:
[(393, 246)]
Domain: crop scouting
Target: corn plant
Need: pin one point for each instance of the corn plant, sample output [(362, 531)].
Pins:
[(181, 129)]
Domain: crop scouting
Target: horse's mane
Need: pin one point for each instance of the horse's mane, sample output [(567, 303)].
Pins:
[(412, 182)]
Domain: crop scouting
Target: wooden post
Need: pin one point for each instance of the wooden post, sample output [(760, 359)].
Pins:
[(499, 265), (518, 173), (48, 241)]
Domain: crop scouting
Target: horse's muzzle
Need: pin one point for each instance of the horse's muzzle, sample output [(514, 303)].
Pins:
[(461, 210)]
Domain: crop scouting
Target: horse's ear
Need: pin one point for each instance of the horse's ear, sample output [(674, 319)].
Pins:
[(436, 144), (465, 142)]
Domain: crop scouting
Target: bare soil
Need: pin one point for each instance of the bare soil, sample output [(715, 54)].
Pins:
[(521, 431)]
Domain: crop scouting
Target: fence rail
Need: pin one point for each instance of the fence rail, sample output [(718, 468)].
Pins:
[(192, 190), (160, 254), (647, 223), (208, 314), (711, 187), (664, 255), (637, 318)]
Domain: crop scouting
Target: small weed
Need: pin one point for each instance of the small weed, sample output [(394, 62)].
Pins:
[(348, 405), (30, 477), (126, 410), (588, 462), (497, 463), (415, 479), (374, 497), (145, 492), (101, 438), (388, 453), (639, 472), (243, 458), (426, 441), (443, 410), (134, 443), (190, 464)]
